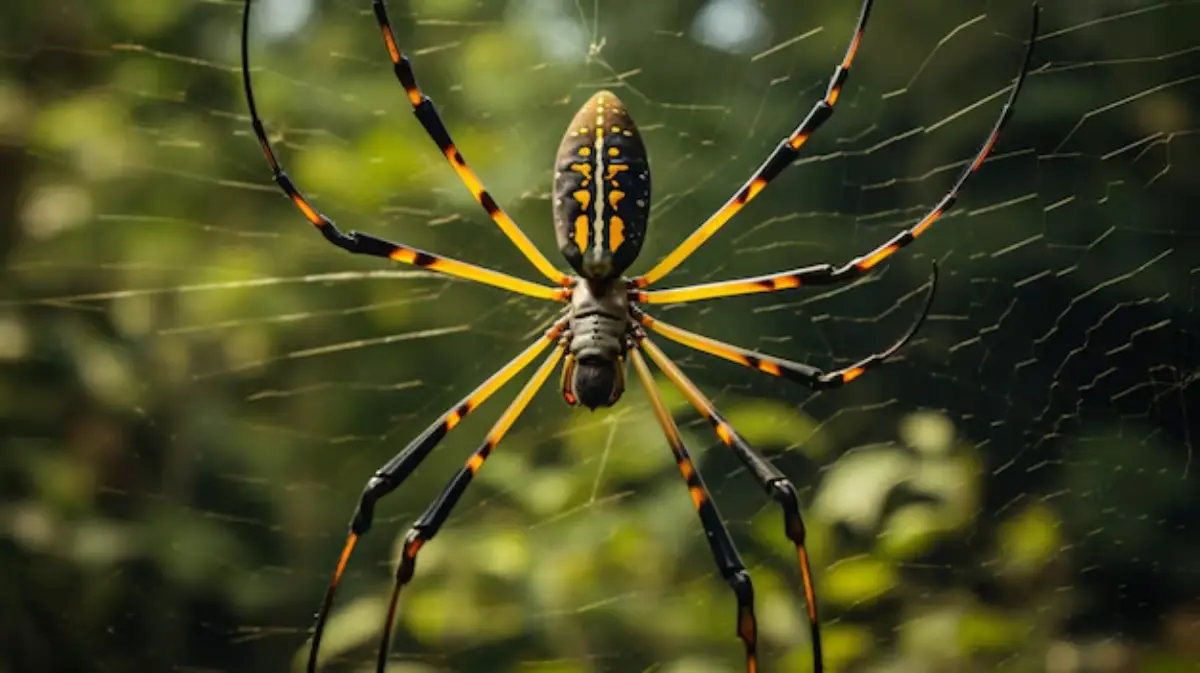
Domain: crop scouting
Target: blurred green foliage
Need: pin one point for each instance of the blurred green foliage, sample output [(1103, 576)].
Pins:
[(194, 386)]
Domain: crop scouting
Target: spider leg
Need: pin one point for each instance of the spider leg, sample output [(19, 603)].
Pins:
[(767, 475), (427, 526), (366, 244), (392, 474), (826, 274), (808, 375), (427, 114), (783, 156), (733, 570)]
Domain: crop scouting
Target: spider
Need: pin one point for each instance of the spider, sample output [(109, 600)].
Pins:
[(601, 202)]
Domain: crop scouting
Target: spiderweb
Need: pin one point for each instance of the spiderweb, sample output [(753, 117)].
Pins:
[(197, 386)]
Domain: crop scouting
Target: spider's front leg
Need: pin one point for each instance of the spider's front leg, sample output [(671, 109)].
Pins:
[(785, 153), (827, 274), (367, 244), (426, 113)]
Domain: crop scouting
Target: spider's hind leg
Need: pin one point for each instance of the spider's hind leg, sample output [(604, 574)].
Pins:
[(769, 478), (724, 552), (392, 474), (431, 521)]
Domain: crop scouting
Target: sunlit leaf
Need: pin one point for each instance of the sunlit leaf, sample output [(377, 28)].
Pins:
[(910, 532), (694, 664), (770, 423), (991, 631), (353, 624), (552, 666), (929, 433), (841, 645), (856, 581), (1029, 540), (856, 487)]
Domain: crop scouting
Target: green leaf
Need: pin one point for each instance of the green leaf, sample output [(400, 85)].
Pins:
[(1029, 540), (771, 423), (990, 630), (858, 580), (910, 532)]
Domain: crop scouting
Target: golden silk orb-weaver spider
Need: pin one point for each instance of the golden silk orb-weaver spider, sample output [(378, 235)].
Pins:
[(601, 206)]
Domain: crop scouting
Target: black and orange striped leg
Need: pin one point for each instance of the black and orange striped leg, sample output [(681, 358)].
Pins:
[(826, 274), (785, 153), (392, 474), (730, 564), (427, 526), (427, 114), (814, 378), (366, 244), (767, 475)]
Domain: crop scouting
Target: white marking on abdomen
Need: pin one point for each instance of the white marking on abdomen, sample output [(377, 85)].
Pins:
[(598, 178)]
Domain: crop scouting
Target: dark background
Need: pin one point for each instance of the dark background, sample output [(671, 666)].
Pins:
[(194, 387)]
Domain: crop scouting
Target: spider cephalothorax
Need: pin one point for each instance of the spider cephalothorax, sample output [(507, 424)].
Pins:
[(596, 340), (601, 205)]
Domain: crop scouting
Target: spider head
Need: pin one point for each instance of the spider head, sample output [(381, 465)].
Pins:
[(594, 381), (601, 189)]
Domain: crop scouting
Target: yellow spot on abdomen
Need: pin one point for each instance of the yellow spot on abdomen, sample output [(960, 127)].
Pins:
[(613, 169), (584, 197), (616, 226), (583, 169), (581, 231), (616, 232)]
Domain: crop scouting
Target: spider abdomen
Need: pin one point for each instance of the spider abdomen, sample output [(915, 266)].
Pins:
[(601, 189)]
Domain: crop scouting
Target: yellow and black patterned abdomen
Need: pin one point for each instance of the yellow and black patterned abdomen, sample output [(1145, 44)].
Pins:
[(601, 189)]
